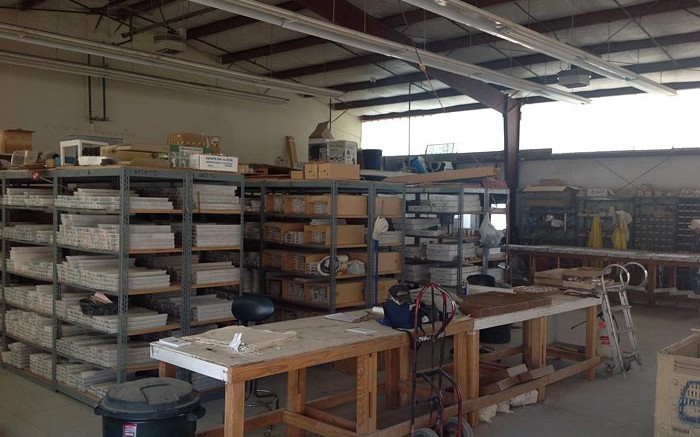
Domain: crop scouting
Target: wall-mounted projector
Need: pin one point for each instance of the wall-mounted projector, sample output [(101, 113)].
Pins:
[(170, 43), (574, 78)]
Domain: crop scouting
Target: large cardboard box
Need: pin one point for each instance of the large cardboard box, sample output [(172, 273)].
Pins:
[(12, 140), (346, 235), (676, 411), (347, 205), (324, 150), (389, 206), (214, 163), (311, 171), (389, 262), (338, 171), (558, 196), (212, 142)]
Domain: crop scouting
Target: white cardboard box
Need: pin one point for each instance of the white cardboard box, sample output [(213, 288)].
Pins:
[(214, 162), (678, 389)]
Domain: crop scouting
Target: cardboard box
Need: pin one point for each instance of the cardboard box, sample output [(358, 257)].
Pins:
[(347, 293), (558, 196), (389, 262), (274, 203), (294, 204), (12, 140), (343, 152), (338, 171), (135, 147), (389, 206), (125, 155), (244, 169), (296, 175), (347, 205), (346, 235), (278, 231), (150, 162), (311, 171), (214, 163), (678, 389)]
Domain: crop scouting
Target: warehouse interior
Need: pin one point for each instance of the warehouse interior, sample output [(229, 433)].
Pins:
[(189, 204)]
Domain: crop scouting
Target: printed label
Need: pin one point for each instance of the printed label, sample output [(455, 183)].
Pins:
[(130, 430)]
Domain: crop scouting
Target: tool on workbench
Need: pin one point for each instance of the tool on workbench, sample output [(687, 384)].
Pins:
[(438, 380), (622, 359)]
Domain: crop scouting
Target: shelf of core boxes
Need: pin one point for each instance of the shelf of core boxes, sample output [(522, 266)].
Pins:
[(287, 213), (121, 180), (216, 199), (445, 220)]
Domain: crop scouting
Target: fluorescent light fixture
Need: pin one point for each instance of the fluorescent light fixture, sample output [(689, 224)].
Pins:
[(63, 42), (11, 58), (485, 21), (323, 29)]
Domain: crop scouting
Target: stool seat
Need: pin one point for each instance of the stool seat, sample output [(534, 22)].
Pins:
[(252, 308)]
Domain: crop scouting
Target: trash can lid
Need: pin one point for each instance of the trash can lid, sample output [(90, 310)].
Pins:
[(149, 398)]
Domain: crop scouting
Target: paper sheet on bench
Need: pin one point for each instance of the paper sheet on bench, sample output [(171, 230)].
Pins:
[(254, 338)]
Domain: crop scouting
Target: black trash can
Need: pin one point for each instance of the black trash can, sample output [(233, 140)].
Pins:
[(497, 334), (153, 407)]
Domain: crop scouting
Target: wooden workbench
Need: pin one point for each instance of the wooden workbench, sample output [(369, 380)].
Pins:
[(650, 260), (323, 341)]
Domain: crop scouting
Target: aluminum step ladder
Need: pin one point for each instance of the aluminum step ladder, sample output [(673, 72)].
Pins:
[(621, 328)]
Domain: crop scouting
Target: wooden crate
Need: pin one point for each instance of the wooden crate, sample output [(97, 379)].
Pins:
[(347, 293), (273, 258), (276, 287), (294, 205), (347, 235), (389, 206), (274, 202), (298, 262), (347, 205)]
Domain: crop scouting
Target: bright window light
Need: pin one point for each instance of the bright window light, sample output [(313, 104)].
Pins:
[(635, 122)]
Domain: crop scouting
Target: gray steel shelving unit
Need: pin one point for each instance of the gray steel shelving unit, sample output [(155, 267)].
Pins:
[(493, 201), (334, 188), (121, 178)]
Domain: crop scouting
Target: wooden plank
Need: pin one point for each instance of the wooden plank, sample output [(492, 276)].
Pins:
[(471, 391), (396, 369), (498, 386), (502, 374), (333, 401), (535, 373), (494, 303), (296, 420), (565, 354), (296, 397), (292, 151), (443, 176), (234, 417), (502, 353), (330, 418), (366, 393)]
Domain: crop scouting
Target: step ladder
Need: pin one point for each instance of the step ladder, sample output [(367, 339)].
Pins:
[(620, 328)]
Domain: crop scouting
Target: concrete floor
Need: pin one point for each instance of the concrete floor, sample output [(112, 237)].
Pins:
[(610, 406)]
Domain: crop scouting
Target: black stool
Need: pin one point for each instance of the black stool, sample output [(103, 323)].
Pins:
[(252, 309)]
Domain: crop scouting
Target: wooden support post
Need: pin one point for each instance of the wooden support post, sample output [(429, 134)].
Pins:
[(367, 393), (166, 370), (296, 398), (234, 409), (461, 362), (396, 370), (591, 338), (472, 357)]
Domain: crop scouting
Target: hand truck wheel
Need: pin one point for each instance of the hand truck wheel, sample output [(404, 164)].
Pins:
[(450, 428)]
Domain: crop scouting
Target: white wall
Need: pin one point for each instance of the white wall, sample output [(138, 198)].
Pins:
[(56, 105), (666, 170)]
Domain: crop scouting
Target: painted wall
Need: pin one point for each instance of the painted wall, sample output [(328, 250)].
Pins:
[(663, 171), (56, 105)]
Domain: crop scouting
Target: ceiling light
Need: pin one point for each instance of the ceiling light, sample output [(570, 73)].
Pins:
[(63, 42), (11, 58), (484, 21), (323, 29)]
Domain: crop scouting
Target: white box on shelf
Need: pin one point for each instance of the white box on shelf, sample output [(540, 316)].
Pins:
[(214, 162), (73, 149)]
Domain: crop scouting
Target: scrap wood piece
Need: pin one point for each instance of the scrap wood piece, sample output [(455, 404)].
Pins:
[(539, 290), (447, 175), (498, 386), (495, 303), (536, 373), (509, 372)]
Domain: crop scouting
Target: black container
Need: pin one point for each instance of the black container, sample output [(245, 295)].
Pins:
[(153, 407), (497, 334), (372, 159)]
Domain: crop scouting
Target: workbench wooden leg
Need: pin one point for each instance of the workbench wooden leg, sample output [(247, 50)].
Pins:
[(166, 370), (367, 393), (591, 338), (460, 362), (472, 361), (533, 267), (296, 397), (234, 409), (396, 370)]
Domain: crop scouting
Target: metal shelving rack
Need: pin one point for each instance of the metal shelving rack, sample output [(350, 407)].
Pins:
[(371, 190), (493, 201), (591, 206), (120, 178), (654, 221)]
